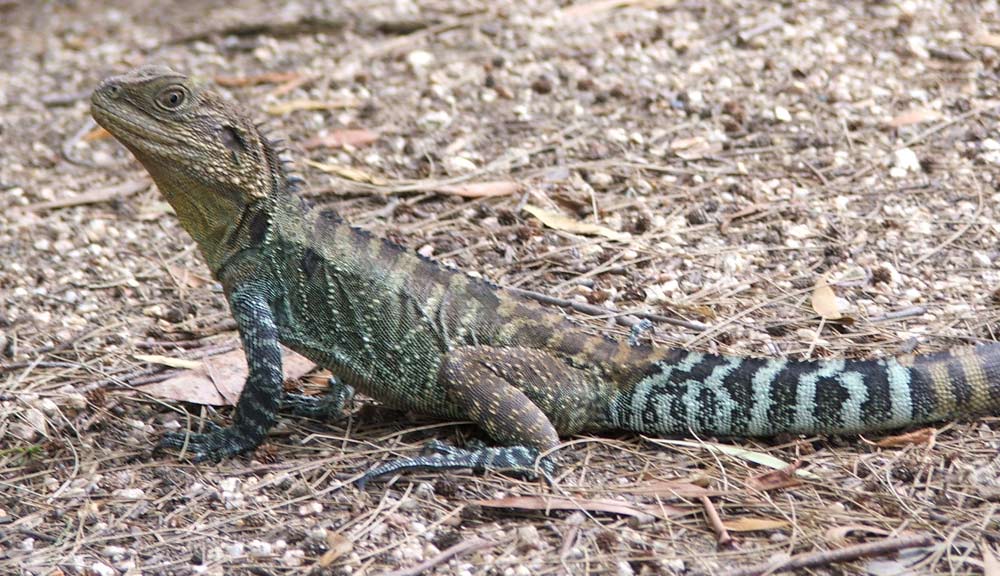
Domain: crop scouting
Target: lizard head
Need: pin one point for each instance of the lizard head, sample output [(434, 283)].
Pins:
[(206, 156)]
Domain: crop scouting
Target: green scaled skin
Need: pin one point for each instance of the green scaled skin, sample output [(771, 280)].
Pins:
[(419, 337)]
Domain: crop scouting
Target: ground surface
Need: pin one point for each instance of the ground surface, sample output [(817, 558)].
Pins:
[(748, 148)]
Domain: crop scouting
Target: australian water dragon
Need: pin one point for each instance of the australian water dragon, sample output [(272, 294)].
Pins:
[(420, 337)]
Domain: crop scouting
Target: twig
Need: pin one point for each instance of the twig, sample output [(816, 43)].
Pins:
[(279, 29), (64, 98), (846, 554), (721, 534), (908, 312), (69, 144), (592, 310), (444, 556), (106, 194)]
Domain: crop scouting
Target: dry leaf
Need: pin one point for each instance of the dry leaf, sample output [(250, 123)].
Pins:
[(219, 380), (347, 172), (255, 79), (566, 224), (914, 116), (481, 189), (753, 524), (337, 545), (546, 503), (186, 277), (991, 566), (296, 105), (168, 361), (694, 148), (922, 436), (339, 138), (98, 133), (824, 301), (776, 479), (669, 489)]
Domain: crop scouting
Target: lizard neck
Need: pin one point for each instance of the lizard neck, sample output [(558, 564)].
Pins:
[(229, 218)]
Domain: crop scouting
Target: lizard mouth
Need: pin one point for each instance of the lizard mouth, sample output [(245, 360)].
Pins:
[(116, 122)]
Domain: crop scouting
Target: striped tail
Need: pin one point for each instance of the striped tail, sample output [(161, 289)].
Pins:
[(727, 395)]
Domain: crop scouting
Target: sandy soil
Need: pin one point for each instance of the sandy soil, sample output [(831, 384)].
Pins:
[(747, 149)]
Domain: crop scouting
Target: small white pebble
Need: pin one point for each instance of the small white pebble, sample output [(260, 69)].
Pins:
[(781, 114), (419, 59), (102, 569), (259, 548), (293, 557), (310, 509), (114, 551), (129, 494), (234, 549)]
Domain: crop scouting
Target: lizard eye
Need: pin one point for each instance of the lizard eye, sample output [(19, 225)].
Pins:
[(171, 98)]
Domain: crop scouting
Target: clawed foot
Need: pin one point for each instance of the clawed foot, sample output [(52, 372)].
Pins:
[(216, 444), (514, 460), (329, 406)]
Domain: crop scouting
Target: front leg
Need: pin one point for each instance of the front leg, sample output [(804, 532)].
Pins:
[(258, 405)]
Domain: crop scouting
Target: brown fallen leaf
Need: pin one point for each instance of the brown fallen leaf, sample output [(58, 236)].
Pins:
[(694, 147), (187, 277), (753, 524), (776, 479), (824, 301), (347, 172), (98, 133), (256, 79), (668, 489), (922, 436), (481, 189), (339, 138), (337, 545), (914, 116), (297, 105), (219, 380), (567, 224), (546, 503)]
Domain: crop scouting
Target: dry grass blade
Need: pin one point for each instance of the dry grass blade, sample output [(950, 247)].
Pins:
[(356, 137), (846, 554), (300, 105), (991, 566), (546, 503), (481, 189), (566, 224), (754, 524)]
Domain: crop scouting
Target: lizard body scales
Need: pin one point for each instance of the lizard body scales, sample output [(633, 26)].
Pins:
[(417, 336)]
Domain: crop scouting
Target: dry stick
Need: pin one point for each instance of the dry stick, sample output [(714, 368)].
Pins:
[(846, 554), (460, 548), (721, 533), (620, 317), (106, 194)]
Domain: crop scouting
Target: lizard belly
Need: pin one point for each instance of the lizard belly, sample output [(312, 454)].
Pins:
[(404, 381)]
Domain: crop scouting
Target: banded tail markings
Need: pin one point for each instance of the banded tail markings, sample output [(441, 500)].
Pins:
[(975, 378), (761, 386)]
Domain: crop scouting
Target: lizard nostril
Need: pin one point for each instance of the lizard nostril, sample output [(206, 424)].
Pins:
[(113, 90)]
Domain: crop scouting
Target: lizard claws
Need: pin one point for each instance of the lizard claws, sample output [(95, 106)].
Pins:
[(214, 444), (515, 460)]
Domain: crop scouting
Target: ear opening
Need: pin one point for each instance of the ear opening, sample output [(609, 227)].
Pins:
[(233, 140)]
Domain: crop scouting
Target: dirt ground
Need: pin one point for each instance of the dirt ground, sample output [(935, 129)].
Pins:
[(734, 153)]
